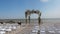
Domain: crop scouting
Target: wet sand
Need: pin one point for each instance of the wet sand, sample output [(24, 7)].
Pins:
[(47, 27), (50, 28), (19, 29)]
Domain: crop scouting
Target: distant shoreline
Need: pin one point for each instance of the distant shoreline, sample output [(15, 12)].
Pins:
[(31, 18)]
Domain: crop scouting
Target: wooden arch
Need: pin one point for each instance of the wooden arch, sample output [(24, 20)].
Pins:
[(28, 13)]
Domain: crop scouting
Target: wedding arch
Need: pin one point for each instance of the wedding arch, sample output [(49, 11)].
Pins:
[(29, 12)]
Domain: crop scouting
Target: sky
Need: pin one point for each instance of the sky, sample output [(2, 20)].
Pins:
[(15, 9)]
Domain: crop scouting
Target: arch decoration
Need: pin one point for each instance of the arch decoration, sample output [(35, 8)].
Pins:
[(29, 12)]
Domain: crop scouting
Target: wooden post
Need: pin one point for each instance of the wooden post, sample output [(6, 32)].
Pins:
[(38, 32), (26, 17), (39, 20), (29, 19)]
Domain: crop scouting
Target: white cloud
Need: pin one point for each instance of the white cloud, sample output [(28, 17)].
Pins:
[(44, 0)]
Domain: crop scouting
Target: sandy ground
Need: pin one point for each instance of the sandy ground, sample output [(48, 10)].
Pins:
[(19, 28), (27, 29)]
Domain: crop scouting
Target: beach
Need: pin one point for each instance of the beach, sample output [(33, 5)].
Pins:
[(46, 27)]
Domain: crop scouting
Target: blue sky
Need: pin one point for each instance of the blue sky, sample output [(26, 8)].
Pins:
[(16, 8)]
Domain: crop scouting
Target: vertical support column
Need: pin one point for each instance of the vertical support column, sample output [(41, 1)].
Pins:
[(26, 17), (29, 19), (39, 20)]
